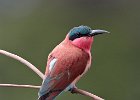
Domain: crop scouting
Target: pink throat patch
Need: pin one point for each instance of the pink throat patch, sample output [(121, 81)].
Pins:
[(83, 43)]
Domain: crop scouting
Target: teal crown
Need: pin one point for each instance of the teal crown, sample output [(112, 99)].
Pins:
[(78, 32)]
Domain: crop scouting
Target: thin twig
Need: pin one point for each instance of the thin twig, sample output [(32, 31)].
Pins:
[(32, 67), (19, 86), (25, 62), (83, 92)]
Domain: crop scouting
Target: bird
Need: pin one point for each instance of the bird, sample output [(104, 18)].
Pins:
[(68, 62)]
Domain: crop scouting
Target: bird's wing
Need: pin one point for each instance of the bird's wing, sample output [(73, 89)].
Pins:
[(60, 73), (48, 80), (56, 80)]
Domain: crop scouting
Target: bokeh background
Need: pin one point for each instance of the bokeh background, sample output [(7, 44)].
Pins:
[(32, 28)]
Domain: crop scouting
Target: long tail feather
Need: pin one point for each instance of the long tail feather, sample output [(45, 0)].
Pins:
[(50, 96)]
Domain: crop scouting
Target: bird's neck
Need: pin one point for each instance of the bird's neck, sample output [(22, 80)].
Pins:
[(84, 43)]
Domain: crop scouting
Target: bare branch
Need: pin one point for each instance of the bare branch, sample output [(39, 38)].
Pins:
[(25, 62), (19, 86), (32, 67), (75, 90), (85, 93)]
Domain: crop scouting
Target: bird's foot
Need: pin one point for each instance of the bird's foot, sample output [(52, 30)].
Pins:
[(72, 90)]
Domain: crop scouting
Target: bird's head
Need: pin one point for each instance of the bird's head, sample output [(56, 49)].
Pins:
[(82, 36)]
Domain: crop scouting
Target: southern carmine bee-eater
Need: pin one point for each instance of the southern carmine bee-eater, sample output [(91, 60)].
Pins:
[(68, 62)]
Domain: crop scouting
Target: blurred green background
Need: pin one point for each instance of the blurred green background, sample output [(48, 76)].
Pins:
[(32, 28)]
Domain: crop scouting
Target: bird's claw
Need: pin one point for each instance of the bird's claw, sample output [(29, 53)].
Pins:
[(72, 90)]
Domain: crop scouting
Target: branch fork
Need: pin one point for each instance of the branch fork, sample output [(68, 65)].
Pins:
[(41, 75)]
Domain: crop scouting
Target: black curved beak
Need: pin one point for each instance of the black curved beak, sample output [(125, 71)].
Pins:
[(98, 31)]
